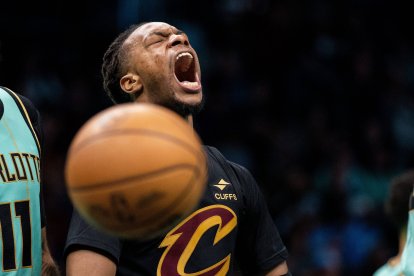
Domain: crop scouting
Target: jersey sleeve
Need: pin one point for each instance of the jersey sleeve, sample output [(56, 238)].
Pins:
[(34, 116), (83, 236), (35, 119), (260, 247)]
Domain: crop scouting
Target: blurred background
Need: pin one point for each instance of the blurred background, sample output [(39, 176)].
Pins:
[(315, 98)]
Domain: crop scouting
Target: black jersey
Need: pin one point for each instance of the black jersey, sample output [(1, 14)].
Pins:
[(230, 231)]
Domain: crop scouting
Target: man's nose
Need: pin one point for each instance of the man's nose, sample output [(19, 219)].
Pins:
[(177, 39)]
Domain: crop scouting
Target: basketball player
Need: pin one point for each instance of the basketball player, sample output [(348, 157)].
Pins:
[(24, 249), (396, 207), (231, 231), (407, 259)]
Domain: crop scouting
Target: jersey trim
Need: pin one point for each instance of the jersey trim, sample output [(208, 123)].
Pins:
[(26, 116)]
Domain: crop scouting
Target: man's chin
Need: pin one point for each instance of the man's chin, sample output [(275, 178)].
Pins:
[(184, 109)]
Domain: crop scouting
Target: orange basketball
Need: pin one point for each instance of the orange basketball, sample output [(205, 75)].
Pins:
[(135, 170)]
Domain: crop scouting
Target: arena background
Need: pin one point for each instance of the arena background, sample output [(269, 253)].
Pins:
[(314, 97)]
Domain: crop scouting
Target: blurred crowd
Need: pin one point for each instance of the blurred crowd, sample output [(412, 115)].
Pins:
[(315, 98)]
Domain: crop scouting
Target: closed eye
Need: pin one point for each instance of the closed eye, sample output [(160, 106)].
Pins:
[(156, 37), (163, 34), (156, 41)]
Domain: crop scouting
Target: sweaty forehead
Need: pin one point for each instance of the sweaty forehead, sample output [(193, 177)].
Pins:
[(144, 30)]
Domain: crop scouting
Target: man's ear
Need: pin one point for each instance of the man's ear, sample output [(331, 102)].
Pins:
[(131, 83)]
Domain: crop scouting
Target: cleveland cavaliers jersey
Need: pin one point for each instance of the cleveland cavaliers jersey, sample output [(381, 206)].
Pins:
[(407, 259), (231, 230), (20, 216)]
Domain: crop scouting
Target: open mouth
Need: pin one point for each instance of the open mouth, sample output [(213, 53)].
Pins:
[(185, 71)]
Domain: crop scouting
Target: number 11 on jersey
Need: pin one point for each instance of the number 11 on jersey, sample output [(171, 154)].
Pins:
[(10, 237)]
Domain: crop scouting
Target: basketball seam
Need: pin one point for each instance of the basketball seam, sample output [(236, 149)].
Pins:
[(160, 216), (176, 202), (120, 181)]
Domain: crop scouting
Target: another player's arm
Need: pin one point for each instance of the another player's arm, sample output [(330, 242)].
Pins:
[(49, 267), (89, 263)]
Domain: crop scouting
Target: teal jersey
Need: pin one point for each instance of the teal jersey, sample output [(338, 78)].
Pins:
[(388, 270), (20, 203), (407, 260)]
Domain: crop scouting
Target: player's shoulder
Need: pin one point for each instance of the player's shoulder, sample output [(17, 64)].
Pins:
[(28, 104), (215, 153), (24, 102)]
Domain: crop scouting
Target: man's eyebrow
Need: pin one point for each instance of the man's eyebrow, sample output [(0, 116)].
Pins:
[(160, 33), (166, 33)]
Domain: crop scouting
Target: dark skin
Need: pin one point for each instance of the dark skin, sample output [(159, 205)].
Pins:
[(164, 69), (152, 72), (49, 267)]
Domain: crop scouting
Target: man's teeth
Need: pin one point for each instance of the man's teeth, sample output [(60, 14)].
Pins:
[(184, 54), (184, 61), (190, 83)]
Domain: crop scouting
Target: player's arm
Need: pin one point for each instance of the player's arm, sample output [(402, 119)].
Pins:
[(280, 270), (89, 263), (90, 252), (49, 267), (261, 249)]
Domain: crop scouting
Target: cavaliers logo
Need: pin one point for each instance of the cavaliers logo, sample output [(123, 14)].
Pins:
[(181, 241)]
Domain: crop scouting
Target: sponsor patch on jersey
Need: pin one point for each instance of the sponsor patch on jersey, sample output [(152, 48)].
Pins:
[(223, 194)]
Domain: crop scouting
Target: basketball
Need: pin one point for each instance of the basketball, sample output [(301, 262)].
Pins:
[(135, 170)]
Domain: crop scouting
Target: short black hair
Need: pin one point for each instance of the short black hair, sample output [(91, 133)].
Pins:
[(112, 66), (397, 203)]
